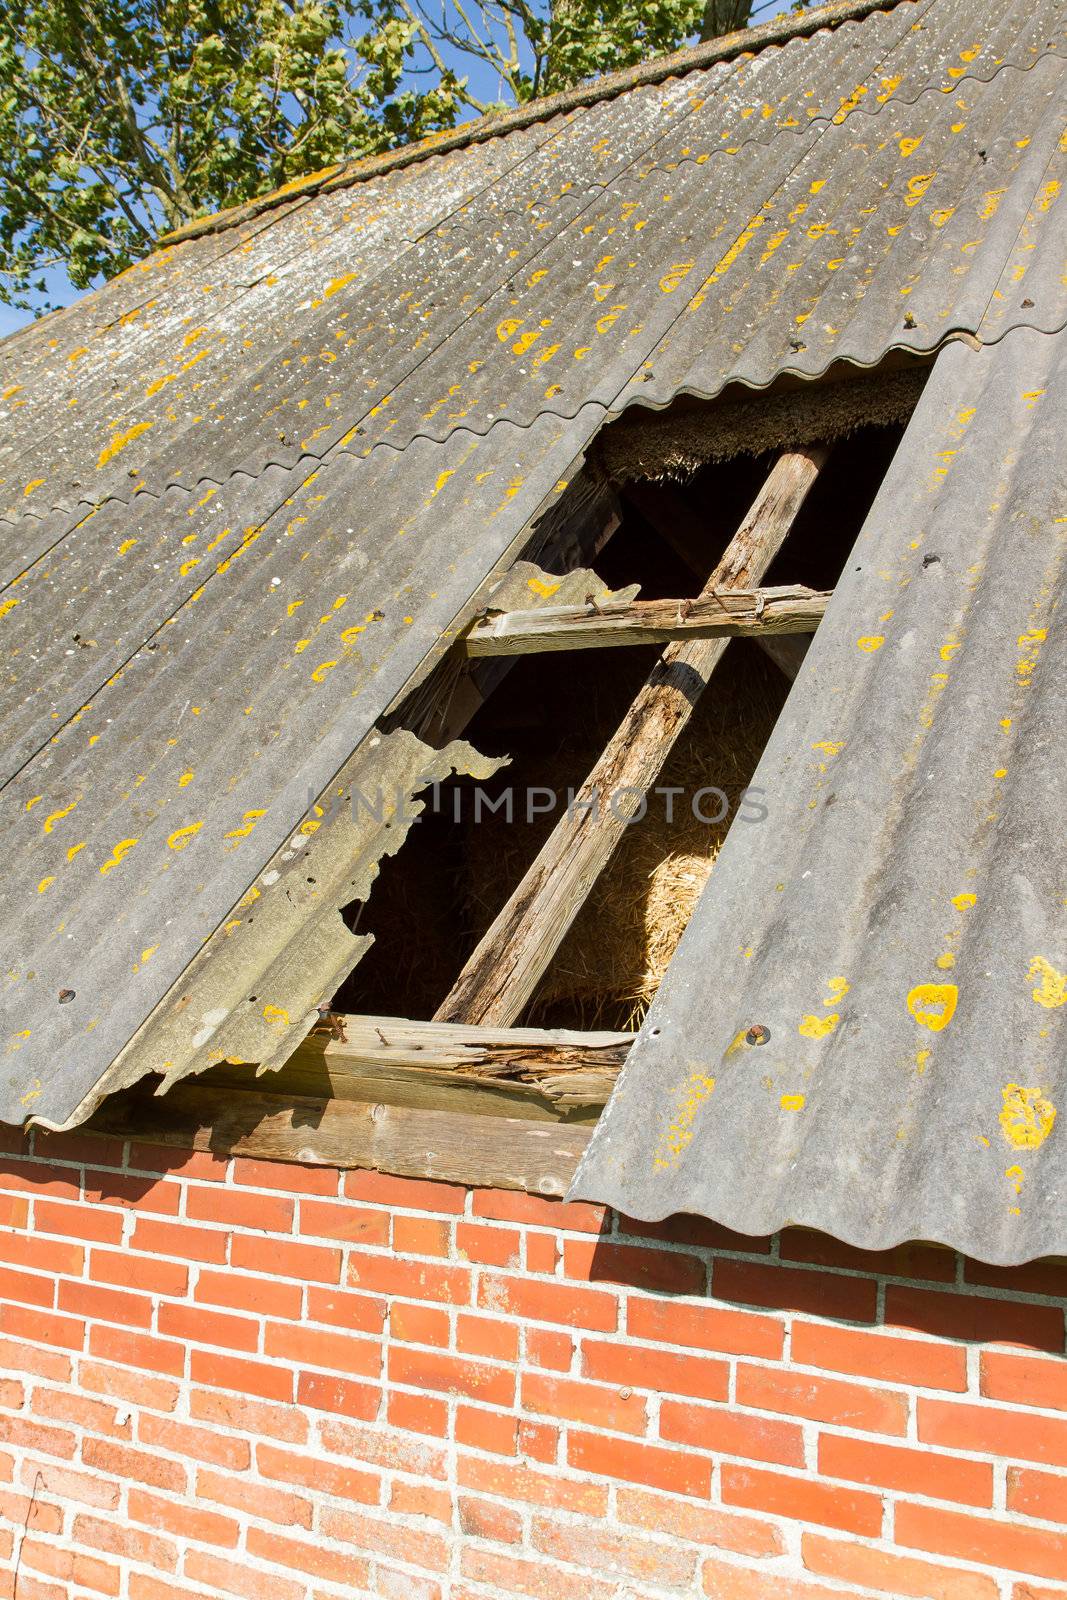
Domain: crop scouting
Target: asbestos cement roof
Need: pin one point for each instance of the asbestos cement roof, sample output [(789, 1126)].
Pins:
[(895, 931), (248, 487)]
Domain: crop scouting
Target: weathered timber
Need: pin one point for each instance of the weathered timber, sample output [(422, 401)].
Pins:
[(489, 1152), (752, 613), (528, 1072), (509, 960)]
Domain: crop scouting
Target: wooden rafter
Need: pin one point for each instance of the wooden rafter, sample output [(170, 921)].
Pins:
[(750, 613), (510, 959)]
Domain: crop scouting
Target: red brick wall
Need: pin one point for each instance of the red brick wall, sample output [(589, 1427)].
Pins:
[(241, 1379)]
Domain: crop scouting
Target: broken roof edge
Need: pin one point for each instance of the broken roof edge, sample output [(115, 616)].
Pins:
[(744, 41)]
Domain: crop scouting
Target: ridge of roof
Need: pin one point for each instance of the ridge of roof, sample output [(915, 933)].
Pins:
[(730, 46)]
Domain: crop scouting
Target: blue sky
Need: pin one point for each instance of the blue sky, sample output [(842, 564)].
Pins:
[(61, 291)]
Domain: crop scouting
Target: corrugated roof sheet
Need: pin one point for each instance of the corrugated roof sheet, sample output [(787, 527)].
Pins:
[(898, 924), (219, 469)]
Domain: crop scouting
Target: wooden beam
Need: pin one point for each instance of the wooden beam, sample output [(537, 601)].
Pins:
[(510, 959), (529, 1072), (490, 1152), (750, 613)]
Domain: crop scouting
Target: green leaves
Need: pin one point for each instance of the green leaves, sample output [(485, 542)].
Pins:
[(121, 119)]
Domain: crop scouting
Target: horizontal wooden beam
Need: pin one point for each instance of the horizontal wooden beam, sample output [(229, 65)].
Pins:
[(485, 1152), (749, 613)]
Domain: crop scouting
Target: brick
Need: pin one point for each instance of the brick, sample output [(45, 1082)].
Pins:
[(823, 1294), (1032, 1591), (573, 1400), (40, 1178), (538, 1441), (681, 1519), (419, 1547), (387, 1450), (12, 1394), (418, 1413), (414, 1280), (343, 1396), (888, 1357), (186, 1521), (484, 1519), (490, 1247), (324, 1219), (638, 1266), (241, 1412), (487, 1336), (421, 1500), (983, 1540), (1037, 1494), (77, 1222), (542, 1252), (117, 1538), (78, 1149), (325, 1477), (994, 1430), (148, 1274), (594, 1309), (28, 1288), (727, 1431), (545, 1347), (100, 1304), (413, 1324), (195, 1325), (15, 1211), (541, 1580), (493, 1431), (912, 1471), (310, 1558), (198, 1164), (125, 1190), (849, 1405), (137, 1350), (246, 1377), (314, 1347), (360, 1313), (198, 1444), (31, 1511), (504, 1205), (732, 1333), (264, 1297), (138, 1388), (1035, 1277), (283, 1506), (421, 1236), (902, 1261), (802, 1499), (143, 1466), (674, 1470), (145, 1587), (93, 1416), (234, 1208), (410, 1194), (16, 1356), (238, 1578), (68, 1483), (291, 1177), (180, 1240), (283, 1258), (973, 1317), (447, 1374), (607, 1550), (40, 1253), (657, 1370), (34, 1323), (1024, 1380), (396, 1585)]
